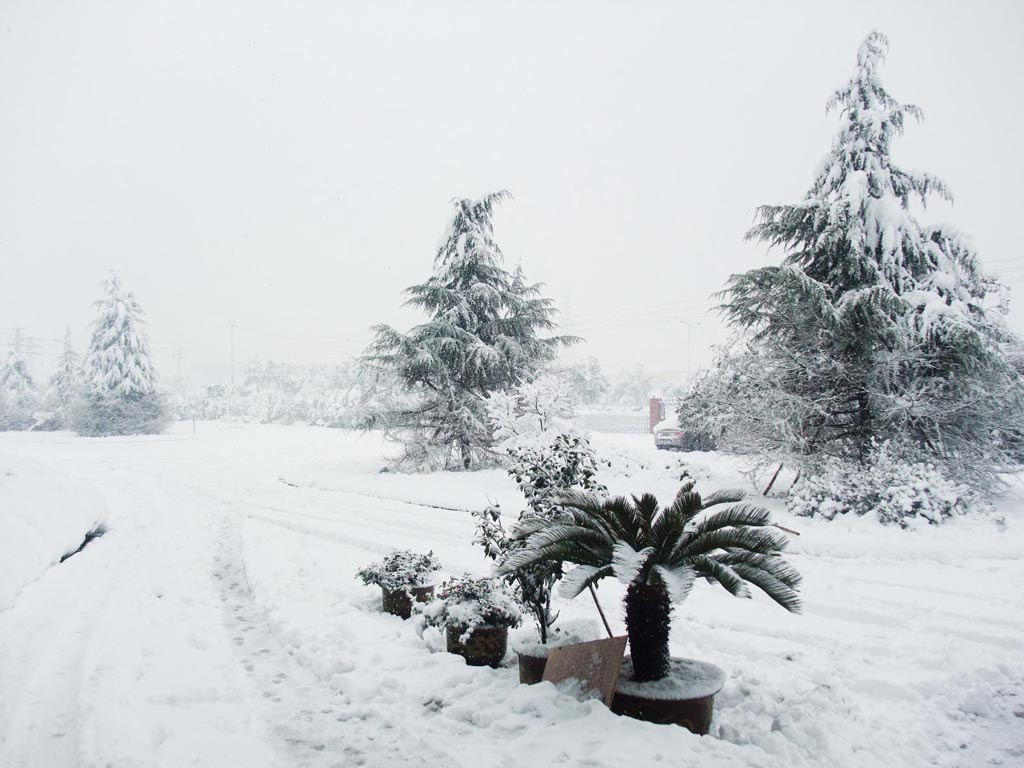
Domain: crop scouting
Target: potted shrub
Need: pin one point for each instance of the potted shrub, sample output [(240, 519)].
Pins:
[(543, 470), (403, 577), (657, 554), (475, 615)]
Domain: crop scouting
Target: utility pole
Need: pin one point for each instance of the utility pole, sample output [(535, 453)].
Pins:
[(178, 354), (689, 327)]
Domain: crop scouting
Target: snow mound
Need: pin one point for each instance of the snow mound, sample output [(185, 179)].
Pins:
[(44, 515)]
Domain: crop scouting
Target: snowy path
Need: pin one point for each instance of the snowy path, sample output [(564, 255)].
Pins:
[(218, 623)]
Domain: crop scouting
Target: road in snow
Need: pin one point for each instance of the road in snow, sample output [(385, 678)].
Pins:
[(218, 623)]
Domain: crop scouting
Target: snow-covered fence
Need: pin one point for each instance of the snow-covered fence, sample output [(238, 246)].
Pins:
[(616, 422)]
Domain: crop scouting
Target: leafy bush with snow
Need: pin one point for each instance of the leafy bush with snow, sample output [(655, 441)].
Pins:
[(891, 483), (400, 569), (465, 602), (543, 472)]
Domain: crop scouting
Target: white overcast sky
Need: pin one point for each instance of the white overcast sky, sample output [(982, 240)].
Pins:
[(287, 166)]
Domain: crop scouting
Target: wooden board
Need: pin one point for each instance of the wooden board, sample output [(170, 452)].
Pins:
[(596, 664)]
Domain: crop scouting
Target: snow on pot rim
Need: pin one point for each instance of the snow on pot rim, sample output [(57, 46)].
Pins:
[(567, 633), (687, 679)]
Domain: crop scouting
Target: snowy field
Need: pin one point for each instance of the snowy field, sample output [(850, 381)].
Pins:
[(218, 621)]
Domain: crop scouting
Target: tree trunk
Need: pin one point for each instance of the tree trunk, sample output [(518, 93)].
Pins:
[(648, 616)]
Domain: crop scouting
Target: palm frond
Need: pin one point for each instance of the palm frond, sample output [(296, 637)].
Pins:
[(628, 562), (687, 504), (580, 577), (678, 581), (710, 568), (725, 496), (575, 552), (668, 528), (647, 510), (739, 515), (773, 564), (763, 540), (781, 593)]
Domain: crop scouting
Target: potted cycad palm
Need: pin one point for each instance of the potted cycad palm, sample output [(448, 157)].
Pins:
[(475, 615), (403, 577), (657, 554)]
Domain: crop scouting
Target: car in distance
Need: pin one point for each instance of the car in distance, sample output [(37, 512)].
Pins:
[(669, 436)]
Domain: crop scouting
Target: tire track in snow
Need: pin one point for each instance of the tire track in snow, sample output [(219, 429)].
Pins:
[(312, 725)]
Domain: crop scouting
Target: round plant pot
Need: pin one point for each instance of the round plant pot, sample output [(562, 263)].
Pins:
[(531, 668), (685, 697), (399, 602), (485, 646)]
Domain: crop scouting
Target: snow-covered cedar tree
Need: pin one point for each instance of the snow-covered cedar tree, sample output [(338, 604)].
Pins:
[(465, 602), (400, 569), (877, 326), (63, 390), (657, 554), (18, 396), (889, 484), (482, 336), (119, 382)]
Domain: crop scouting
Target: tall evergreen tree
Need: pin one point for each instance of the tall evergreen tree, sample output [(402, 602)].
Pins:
[(119, 378), (482, 337), (64, 383), (879, 326), (18, 394)]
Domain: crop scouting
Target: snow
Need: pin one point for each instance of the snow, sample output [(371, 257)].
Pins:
[(688, 679), (44, 514), (627, 562), (219, 623)]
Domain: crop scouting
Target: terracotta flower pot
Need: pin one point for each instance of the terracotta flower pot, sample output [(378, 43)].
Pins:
[(531, 668), (399, 602), (685, 697), (486, 644)]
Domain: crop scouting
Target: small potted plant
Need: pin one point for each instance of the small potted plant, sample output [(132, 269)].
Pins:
[(476, 615), (403, 577), (544, 471), (657, 554)]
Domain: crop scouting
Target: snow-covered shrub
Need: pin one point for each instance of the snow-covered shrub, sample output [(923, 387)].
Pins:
[(465, 602), (543, 474), (524, 415), (400, 569), (98, 416), (547, 471), (889, 483)]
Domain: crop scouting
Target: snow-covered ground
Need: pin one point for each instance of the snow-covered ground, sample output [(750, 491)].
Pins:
[(219, 622)]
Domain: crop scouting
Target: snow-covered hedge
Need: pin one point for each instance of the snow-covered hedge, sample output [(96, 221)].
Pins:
[(895, 488), (43, 516)]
